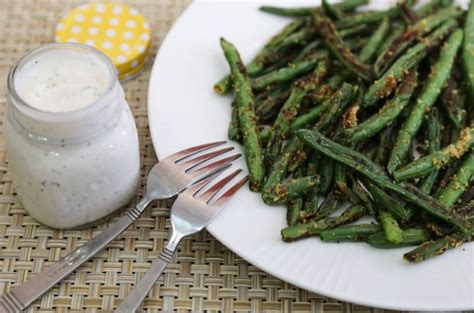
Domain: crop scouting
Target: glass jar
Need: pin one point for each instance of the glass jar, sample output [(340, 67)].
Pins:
[(74, 164)]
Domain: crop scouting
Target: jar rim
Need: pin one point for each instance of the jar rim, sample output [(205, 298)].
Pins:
[(52, 117)]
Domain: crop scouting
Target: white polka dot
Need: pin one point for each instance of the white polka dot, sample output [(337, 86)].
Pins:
[(84, 6), (59, 26), (79, 18), (146, 25), (107, 44), (96, 19), (72, 40), (131, 23), (100, 8), (93, 30), (133, 11), (117, 10), (90, 42), (124, 47), (145, 36), (128, 35), (141, 48), (134, 63), (121, 59), (75, 29), (110, 32), (113, 21)]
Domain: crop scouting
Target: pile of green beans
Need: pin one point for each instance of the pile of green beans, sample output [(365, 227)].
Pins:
[(366, 112)]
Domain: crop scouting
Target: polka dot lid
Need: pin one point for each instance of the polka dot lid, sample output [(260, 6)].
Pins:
[(119, 31)]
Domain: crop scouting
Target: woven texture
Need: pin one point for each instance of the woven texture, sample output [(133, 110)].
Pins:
[(203, 276)]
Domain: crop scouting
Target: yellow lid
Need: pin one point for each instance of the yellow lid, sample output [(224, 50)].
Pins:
[(119, 31)]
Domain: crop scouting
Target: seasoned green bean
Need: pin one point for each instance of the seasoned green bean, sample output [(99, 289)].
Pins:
[(467, 55), (459, 181), (428, 96), (438, 159), (247, 119), (384, 86), (413, 32), (410, 237), (359, 232), (328, 30), (316, 227), (388, 113)]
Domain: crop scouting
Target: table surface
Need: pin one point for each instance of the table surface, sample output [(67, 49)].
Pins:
[(203, 276)]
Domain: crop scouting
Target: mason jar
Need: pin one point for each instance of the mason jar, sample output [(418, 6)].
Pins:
[(71, 139)]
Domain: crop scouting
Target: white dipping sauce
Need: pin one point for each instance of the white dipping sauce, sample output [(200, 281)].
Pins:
[(62, 81), (75, 155)]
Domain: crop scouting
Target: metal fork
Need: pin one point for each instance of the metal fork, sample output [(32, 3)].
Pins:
[(191, 212), (165, 180)]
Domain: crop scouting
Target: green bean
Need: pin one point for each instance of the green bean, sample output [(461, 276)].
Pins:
[(265, 134), (433, 136), (413, 32), (339, 101), (369, 50), (363, 18), (378, 175), (287, 114), (343, 154), (359, 232), (452, 100), (257, 65), (316, 227), (332, 11), (247, 119), (388, 113), (451, 193), (468, 51), (328, 206), (327, 174), (438, 159), (299, 38), (288, 73), (390, 204), (392, 231), (312, 201), (428, 96), (385, 143), (311, 116), (294, 188), (362, 197), (328, 30), (269, 107), (410, 237), (395, 31), (340, 178), (234, 129), (384, 86), (431, 6), (345, 6), (431, 249), (279, 169), (293, 211)]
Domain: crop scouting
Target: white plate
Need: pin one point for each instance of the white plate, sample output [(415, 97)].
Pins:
[(184, 111)]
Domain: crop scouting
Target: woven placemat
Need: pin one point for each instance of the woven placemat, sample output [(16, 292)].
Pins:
[(203, 276)]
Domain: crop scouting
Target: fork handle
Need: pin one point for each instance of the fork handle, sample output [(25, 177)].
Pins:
[(23, 295), (137, 295)]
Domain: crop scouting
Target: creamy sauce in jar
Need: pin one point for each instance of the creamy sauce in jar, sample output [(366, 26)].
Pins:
[(62, 81), (71, 138)]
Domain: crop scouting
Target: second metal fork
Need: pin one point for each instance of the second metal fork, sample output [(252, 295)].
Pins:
[(193, 210)]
